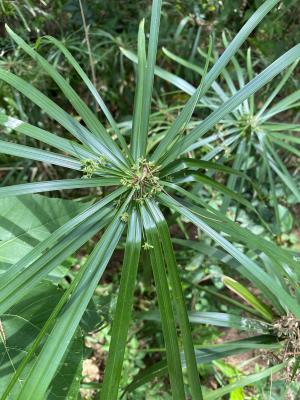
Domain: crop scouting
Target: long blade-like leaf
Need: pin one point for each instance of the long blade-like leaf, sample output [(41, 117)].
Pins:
[(165, 305), (138, 138), (258, 82), (184, 117), (121, 321), (149, 75), (175, 283), (49, 186), (205, 355), (92, 122), (250, 266), (92, 89), (44, 136), (57, 343), (31, 153), (59, 115)]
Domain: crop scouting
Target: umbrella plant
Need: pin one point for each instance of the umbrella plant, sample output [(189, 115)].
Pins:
[(140, 193), (252, 137)]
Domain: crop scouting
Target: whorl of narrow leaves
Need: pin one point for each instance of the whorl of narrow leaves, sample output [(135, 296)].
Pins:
[(143, 184)]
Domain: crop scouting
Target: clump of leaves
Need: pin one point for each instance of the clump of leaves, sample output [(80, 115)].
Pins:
[(250, 138), (141, 195)]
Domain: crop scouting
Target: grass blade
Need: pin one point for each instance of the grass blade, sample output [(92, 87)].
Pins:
[(44, 136), (149, 75), (205, 355), (245, 294), (245, 381)]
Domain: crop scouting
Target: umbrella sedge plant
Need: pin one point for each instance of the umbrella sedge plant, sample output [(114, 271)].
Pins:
[(250, 131), (137, 204)]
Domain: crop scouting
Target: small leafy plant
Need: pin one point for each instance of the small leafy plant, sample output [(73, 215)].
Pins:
[(144, 186)]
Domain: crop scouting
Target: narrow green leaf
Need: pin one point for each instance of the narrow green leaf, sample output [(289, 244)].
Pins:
[(224, 320), (92, 89), (167, 76), (56, 141), (276, 90), (245, 381), (59, 115), (177, 292), (245, 294), (57, 343), (92, 122), (184, 117), (165, 305), (31, 153), (205, 355), (250, 266), (138, 140), (122, 314), (49, 186), (258, 82), (215, 86), (149, 75)]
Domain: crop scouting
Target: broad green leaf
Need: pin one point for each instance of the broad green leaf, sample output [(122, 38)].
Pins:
[(21, 324), (28, 220), (14, 289), (38, 263), (41, 247)]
